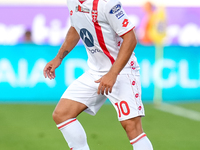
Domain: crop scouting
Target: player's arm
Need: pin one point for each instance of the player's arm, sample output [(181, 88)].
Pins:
[(126, 50), (69, 43)]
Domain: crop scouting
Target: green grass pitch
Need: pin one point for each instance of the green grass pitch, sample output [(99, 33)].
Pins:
[(30, 127)]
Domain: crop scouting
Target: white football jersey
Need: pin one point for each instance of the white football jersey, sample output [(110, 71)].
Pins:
[(100, 23)]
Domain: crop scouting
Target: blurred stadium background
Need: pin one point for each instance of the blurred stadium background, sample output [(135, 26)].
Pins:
[(168, 52)]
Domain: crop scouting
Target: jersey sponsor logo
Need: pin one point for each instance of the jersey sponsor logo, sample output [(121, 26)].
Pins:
[(115, 9), (125, 23), (120, 14), (95, 51), (87, 38), (81, 9)]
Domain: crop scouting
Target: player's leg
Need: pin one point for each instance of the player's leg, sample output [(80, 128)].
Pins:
[(133, 127), (64, 116), (80, 96), (126, 98), (137, 137), (67, 109)]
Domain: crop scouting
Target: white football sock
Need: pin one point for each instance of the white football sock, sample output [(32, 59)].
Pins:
[(74, 134), (141, 142)]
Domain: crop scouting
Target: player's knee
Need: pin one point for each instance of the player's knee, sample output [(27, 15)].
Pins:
[(55, 116), (129, 127), (132, 125), (58, 117)]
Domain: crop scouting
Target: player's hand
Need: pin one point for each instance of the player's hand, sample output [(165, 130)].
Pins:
[(49, 69), (106, 83)]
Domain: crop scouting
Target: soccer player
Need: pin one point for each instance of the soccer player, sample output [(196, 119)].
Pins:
[(109, 39)]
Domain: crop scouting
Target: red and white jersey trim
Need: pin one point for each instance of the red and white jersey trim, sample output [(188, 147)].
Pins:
[(100, 34), (127, 31)]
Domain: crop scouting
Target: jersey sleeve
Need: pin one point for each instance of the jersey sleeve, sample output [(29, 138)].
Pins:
[(70, 12), (71, 21), (117, 17)]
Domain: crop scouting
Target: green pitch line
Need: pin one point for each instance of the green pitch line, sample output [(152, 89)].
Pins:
[(180, 111)]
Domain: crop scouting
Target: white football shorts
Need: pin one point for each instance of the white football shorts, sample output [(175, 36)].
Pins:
[(125, 96)]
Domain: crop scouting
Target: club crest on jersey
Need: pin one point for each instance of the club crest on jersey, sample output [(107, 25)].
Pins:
[(94, 15), (115, 9), (81, 9)]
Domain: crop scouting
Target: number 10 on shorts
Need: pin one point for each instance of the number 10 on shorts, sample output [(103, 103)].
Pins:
[(123, 108)]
